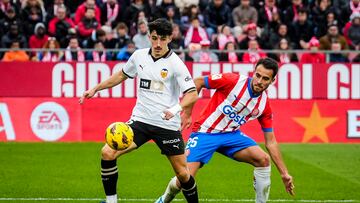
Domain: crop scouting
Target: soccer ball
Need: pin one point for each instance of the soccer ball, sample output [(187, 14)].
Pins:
[(119, 135)]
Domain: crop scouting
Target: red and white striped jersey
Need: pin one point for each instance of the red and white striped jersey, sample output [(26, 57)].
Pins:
[(233, 105)]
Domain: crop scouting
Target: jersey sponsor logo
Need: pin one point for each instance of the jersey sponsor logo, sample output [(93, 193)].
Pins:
[(216, 76), (176, 140), (144, 83), (187, 79), (49, 121), (232, 114), (164, 73)]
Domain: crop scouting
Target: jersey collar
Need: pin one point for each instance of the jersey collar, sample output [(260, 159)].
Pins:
[(166, 55), (252, 94)]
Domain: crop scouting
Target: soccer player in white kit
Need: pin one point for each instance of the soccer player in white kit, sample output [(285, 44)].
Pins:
[(237, 100), (161, 77)]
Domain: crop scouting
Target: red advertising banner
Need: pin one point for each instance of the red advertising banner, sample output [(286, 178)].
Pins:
[(51, 119), (69, 80)]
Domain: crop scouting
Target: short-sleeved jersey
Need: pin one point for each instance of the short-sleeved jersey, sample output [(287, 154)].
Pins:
[(232, 105), (159, 82)]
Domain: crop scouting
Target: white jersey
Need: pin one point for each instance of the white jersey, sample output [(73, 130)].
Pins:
[(159, 82)]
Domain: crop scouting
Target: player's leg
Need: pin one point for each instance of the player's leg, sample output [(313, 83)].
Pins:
[(244, 149), (187, 181), (262, 171), (172, 145), (109, 170)]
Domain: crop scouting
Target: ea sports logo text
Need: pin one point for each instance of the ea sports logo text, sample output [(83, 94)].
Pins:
[(232, 114), (49, 121)]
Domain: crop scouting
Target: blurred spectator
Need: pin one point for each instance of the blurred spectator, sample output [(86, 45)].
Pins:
[(162, 9), (195, 34), (282, 32), (140, 17), (251, 34), (337, 57), (314, 56), (141, 39), (52, 10), (217, 13), (171, 16), (223, 37), (9, 19), (177, 41), (5, 5), (98, 35), (40, 37), (354, 31), (348, 9), (271, 26), (204, 55), (13, 35), (266, 13), (243, 15), (183, 5), (332, 36), (99, 53), (88, 24), (111, 13), (230, 55), (254, 52), (122, 36), (131, 12), (322, 27), (125, 52), (319, 13), (33, 12), (189, 14), (15, 53), (301, 30), (52, 54), (291, 14), (284, 57), (73, 51), (59, 25), (64, 41), (81, 10)]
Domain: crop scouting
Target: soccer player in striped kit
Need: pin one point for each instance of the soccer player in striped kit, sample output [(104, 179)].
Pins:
[(237, 100)]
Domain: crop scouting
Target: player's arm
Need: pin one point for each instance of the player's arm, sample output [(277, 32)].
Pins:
[(112, 81), (275, 154), (199, 83)]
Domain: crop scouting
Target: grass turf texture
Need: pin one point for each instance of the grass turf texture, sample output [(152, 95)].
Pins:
[(72, 170)]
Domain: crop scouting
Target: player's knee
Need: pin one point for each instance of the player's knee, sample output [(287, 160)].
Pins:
[(107, 153), (183, 175), (263, 161)]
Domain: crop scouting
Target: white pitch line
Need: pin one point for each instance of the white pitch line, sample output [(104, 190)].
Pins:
[(177, 200)]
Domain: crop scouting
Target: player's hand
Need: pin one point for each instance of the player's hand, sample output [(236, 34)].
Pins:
[(166, 115), (289, 184), (87, 95), (185, 121)]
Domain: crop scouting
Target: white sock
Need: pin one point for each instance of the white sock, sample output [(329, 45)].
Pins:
[(171, 191), (111, 199), (262, 183)]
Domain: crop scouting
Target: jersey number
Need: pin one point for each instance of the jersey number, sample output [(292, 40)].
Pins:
[(192, 142)]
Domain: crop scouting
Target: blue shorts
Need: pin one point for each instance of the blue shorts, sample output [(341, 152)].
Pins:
[(201, 146)]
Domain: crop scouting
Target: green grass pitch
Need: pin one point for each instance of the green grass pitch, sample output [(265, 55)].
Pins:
[(322, 173)]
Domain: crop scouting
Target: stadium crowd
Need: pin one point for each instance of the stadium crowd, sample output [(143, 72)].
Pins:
[(198, 25)]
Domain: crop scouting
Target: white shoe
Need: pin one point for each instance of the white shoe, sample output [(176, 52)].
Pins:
[(160, 200)]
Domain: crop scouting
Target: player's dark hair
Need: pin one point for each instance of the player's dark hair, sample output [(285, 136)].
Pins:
[(269, 63), (162, 27)]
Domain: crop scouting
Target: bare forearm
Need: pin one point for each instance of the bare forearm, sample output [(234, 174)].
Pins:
[(275, 154), (112, 81), (188, 101)]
